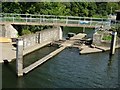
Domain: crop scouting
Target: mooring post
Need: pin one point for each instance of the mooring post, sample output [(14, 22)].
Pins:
[(113, 43), (19, 57)]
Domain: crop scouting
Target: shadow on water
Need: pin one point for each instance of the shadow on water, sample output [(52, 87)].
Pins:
[(88, 31)]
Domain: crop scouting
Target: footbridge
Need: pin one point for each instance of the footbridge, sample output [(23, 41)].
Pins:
[(52, 20)]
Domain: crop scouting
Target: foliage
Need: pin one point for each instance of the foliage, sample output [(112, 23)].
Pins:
[(25, 31), (62, 8), (107, 37)]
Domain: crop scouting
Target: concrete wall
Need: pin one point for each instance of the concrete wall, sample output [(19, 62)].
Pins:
[(2, 31), (41, 37), (97, 39), (8, 31)]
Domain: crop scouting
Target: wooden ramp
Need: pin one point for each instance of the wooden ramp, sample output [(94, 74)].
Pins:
[(44, 59)]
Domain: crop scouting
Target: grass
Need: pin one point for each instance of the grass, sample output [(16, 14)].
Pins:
[(107, 37)]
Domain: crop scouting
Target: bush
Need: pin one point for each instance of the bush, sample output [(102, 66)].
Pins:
[(25, 31), (107, 37)]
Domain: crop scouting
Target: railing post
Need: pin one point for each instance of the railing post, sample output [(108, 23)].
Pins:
[(19, 57), (102, 21), (13, 18), (90, 21), (40, 19), (56, 19), (78, 22), (66, 20), (26, 18)]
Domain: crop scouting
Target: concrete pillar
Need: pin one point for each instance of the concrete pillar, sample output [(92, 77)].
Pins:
[(113, 43), (60, 33), (19, 58)]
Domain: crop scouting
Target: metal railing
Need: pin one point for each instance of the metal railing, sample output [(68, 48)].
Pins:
[(52, 19)]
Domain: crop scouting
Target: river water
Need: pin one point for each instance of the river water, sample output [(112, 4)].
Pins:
[(68, 69)]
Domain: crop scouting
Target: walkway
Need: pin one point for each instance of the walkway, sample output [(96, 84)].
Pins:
[(72, 21)]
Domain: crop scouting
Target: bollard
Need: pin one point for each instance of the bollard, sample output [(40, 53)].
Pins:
[(19, 58), (113, 43)]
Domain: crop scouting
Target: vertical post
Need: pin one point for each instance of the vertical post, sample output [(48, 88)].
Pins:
[(40, 19), (19, 57), (66, 20), (60, 33), (13, 18), (26, 18), (83, 29), (56, 19), (113, 43), (90, 21)]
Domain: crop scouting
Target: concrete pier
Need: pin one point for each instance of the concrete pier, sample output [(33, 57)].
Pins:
[(19, 58), (44, 59), (86, 50)]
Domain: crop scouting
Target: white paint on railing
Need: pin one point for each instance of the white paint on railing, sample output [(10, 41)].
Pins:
[(53, 19)]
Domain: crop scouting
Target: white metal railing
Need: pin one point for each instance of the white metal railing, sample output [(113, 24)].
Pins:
[(32, 18)]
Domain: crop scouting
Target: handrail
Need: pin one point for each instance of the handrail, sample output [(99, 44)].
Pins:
[(51, 15), (27, 18)]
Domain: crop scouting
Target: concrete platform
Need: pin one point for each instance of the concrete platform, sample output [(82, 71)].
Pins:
[(8, 51), (86, 50), (78, 36)]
